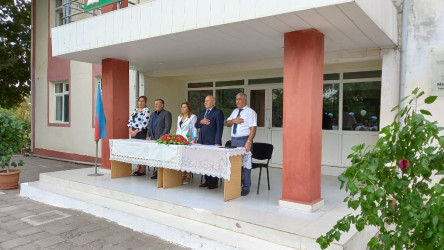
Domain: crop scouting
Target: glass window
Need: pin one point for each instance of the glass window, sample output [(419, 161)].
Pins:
[(226, 100), (61, 94), (197, 99), (193, 85), (333, 76), (363, 74), (229, 83), (277, 108), (361, 106), (257, 103), (330, 111), (266, 80)]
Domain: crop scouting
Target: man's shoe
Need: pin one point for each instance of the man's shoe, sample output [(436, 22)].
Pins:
[(204, 185), (154, 177), (245, 192), (213, 186)]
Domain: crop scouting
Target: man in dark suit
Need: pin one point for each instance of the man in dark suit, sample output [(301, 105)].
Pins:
[(211, 124), (159, 124)]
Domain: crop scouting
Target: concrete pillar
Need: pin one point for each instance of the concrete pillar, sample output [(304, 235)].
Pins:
[(115, 95), (302, 125), (389, 85)]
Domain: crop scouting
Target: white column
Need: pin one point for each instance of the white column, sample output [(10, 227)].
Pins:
[(389, 85)]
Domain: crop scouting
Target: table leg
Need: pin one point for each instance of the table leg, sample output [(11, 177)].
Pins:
[(120, 169), (233, 188), (160, 177), (171, 178)]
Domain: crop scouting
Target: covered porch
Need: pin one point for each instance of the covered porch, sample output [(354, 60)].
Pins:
[(210, 37)]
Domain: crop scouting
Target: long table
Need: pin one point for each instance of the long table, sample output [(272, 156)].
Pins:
[(171, 160)]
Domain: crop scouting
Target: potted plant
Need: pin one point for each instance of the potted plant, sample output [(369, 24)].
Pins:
[(12, 139), (393, 185)]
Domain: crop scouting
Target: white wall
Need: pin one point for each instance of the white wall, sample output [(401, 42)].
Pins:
[(426, 32)]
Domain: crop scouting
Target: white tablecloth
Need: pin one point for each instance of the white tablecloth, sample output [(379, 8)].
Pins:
[(197, 158)]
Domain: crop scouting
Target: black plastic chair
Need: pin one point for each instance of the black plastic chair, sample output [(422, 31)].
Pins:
[(262, 151)]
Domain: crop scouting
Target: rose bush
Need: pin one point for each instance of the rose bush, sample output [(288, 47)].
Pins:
[(173, 139), (391, 184)]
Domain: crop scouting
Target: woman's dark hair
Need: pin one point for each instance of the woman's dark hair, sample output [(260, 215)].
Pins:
[(142, 97)]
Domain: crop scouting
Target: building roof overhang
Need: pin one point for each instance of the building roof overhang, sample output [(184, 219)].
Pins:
[(160, 35)]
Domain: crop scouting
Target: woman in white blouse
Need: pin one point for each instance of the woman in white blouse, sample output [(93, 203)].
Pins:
[(138, 127), (185, 123)]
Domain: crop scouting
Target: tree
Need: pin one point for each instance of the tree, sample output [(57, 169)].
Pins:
[(15, 51)]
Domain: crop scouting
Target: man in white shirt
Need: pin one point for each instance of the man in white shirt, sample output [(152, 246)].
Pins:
[(243, 123)]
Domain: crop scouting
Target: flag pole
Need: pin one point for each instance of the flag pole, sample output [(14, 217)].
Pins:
[(97, 150)]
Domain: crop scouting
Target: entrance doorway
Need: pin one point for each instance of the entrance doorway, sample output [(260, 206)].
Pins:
[(267, 101)]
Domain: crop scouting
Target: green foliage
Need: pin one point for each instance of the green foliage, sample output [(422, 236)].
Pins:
[(12, 139), (15, 50), (399, 199)]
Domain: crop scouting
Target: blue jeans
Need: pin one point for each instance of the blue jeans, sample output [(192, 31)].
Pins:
[(246, 173)]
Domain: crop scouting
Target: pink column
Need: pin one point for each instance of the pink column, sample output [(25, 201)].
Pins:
[(302, 125), (115, 95)]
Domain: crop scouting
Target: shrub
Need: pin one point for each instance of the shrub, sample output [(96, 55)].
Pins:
[(12, 139), (390, 185)]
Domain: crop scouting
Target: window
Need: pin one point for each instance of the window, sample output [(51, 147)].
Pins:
[(360, 99), (61, 100), (226, 100), (59, 13)]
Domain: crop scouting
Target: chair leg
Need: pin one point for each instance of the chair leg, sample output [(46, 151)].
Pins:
[(259, 182), (268, 179)]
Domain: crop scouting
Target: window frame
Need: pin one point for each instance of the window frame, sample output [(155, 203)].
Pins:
[(52, 104)]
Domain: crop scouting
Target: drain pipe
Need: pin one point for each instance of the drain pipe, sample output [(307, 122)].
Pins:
[(404, 38)]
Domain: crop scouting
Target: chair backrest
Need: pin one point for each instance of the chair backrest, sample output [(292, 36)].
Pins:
[(262, 151)]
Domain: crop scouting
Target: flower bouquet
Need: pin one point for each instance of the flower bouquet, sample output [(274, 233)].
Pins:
[(174, 139)]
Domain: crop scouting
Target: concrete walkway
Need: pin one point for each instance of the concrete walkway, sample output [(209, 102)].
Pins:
[(27, 224)]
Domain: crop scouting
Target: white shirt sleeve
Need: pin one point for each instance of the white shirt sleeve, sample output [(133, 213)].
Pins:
[(232, 116), (253, 119)]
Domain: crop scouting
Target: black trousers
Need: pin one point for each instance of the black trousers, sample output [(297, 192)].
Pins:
[(211, 180)]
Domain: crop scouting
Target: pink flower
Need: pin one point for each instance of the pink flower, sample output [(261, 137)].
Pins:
[(404, 163)]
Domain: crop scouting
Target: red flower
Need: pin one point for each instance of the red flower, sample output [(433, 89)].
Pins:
[(403, 163)]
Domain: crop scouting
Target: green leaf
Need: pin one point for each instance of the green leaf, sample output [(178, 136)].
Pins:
[(372, 177), (337, 235), (435, 220), (430, 99), (395, 108), (428, 234), (425, 112)]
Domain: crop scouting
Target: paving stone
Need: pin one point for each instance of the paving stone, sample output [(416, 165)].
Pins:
[(14, 243), (50, 241), (22, 214), (8, 236), (57, 229), (8, 209), (115, 248), (89, 237), (132, 243), (38, 236), (92, 227), (115, 238), (30, 246), (62, 246), (98, 244), (18, 227), (28, 231)]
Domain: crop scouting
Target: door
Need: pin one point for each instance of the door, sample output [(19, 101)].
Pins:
[(267, 101)]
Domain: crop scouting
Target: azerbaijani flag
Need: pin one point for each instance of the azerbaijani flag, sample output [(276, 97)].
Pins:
[(100, 121), (190, 134)]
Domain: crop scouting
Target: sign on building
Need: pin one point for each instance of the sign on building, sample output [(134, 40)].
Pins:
[(437, 71), (93, 4)]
